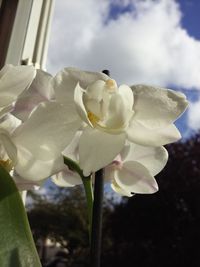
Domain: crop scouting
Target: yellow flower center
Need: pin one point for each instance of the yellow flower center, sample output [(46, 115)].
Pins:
[(111, 85), (94, 119), (7, 164)]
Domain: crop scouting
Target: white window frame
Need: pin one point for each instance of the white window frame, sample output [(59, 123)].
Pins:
[(30, 33)]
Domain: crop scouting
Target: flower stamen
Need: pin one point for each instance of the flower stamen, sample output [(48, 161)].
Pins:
[(7, 164), (94, 119), (111, 85)]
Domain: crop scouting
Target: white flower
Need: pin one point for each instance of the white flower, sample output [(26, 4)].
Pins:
[(134, 169), (111, 115), (34, 147)]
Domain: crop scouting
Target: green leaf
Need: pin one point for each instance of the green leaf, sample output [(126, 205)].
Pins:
[(17, 247)]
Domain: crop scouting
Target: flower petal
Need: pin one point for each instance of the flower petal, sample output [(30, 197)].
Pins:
[(23, 184), (8, 145), (71, 151), (9, 122), (31, 166), (66, 178), (66, 80), (135, 178), (157, 107), (119, 114), (119, 190), (40, 90), (13, 81), (42, 138), (153, 158), (127, 95), (78, 99), (142, 135), (97, 149)]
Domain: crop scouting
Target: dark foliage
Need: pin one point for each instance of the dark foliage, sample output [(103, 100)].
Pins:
[(163, 229)]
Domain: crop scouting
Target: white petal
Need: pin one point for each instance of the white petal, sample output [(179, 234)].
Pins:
[(40, 90), (31, 166), (142, 135), (71, 151), (66, 178), (66, 80), (98, 149), (119, 190), (13, 81), (135, 178), (78, 99), (118, 115), (23, 184), (127, 94), (157, 107), (42, 138), (9, 122), (8, 145), (153, 158), (50, 126)]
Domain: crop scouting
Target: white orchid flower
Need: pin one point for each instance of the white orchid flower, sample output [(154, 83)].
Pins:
[(111, 115), (134, 169)]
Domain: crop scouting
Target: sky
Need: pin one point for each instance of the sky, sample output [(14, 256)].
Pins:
[(155, 42)]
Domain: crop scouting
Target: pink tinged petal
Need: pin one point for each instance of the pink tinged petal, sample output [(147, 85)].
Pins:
[(135, 178), (153, 158), (80, 107), (13, 81), (97, 149), (157, 107), (142, 135), (40, 90), (66, 178), (66, 80)]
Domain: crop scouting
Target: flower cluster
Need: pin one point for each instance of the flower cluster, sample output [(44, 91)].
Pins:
[(86, 117)]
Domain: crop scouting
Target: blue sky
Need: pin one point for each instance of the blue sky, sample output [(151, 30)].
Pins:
[(156, 43), (191, 19)]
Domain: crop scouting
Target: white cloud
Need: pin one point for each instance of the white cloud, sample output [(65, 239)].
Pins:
[(194, 115), (147, 44)]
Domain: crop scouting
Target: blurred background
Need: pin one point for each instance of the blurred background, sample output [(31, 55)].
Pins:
[(156, 42)]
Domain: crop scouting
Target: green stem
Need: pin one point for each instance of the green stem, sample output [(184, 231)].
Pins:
[(87, 183)]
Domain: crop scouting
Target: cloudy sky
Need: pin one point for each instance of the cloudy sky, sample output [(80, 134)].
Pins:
[(155, 42)]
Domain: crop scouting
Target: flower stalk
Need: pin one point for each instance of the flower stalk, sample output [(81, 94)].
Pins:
[(87, 183), (97, 219)]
